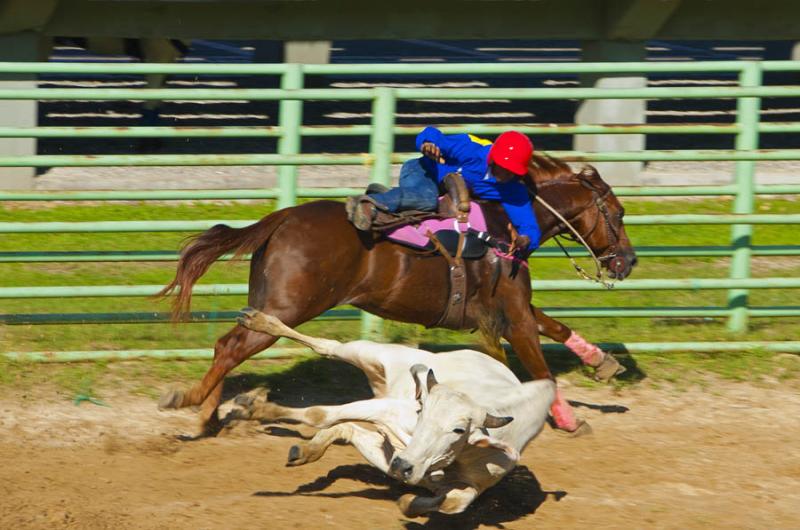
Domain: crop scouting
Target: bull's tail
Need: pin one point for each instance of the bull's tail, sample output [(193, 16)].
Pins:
[(204, 249)]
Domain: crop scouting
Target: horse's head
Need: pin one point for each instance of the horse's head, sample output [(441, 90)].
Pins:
[(587, 202)]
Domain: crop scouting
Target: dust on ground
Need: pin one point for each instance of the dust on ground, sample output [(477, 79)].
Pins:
[(723, 456)]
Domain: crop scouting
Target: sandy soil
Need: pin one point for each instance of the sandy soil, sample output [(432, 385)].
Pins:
[(724, 457)]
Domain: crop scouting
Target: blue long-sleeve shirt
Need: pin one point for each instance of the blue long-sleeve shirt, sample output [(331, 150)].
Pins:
[(467, 154)]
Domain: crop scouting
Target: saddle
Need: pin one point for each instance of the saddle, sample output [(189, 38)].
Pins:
[(456, 230)]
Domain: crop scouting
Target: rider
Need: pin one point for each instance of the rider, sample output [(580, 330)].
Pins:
[(492, 171)]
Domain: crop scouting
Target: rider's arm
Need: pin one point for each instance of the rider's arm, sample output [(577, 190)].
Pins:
[(517, 204), (457, 149)]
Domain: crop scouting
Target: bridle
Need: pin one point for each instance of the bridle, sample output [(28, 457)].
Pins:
[(598, 200)]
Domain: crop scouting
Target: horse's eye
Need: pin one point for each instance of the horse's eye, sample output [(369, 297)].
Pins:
[(459, 430)]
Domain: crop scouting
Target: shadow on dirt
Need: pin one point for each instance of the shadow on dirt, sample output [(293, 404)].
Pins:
[(519, 494), (324, 381), (311, 382)]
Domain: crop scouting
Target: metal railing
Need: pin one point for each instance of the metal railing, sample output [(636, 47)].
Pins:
[(382, 132)]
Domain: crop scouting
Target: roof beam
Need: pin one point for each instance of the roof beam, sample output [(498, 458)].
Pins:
[(637, 19)]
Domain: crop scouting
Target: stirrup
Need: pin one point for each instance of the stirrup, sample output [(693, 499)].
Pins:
[(361, 212)]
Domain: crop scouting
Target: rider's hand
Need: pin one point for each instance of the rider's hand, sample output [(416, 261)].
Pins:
[(432, 151), (520, 243)]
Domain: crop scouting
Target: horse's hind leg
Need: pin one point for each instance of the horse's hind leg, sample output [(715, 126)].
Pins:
[(604, 364), (229, 352)]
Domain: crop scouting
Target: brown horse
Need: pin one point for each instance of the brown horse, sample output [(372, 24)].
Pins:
[(309, 258)]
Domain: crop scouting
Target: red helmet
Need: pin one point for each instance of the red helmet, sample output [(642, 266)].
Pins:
[(512, 150)]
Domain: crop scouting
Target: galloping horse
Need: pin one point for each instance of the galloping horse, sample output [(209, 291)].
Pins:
[(309, 258)]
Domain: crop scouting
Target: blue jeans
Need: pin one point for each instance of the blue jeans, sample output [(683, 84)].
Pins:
[(418, 190)]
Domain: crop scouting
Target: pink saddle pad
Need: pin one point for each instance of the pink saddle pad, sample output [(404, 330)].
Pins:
[(416, 235)]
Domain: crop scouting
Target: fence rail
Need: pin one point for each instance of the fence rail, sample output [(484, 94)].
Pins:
[(382, 132)]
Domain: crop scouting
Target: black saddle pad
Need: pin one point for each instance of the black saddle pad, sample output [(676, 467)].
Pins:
[(474, 247)]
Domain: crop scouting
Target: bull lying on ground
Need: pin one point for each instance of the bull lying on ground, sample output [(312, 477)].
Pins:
[(451, 433)]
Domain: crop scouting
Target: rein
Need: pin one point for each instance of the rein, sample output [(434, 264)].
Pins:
[(599, 276)]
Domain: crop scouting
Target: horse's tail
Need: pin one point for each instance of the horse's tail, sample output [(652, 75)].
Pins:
[(202, 250)]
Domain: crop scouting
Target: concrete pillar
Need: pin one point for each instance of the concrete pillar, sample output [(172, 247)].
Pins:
[(307, 52), (18, 47), (601, 111)]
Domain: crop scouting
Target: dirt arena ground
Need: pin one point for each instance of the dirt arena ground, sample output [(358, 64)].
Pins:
[(727, 456)]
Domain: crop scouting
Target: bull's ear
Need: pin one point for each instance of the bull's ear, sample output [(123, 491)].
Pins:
[(493, 422), (478, 438), (432, 382), (420, 393)]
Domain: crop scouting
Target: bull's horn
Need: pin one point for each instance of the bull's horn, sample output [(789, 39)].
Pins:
[(493, 422)]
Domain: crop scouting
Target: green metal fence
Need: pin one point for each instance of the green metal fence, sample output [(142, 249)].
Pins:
[(382, 132)]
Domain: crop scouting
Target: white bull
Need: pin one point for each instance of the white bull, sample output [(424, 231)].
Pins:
[(454, 436)]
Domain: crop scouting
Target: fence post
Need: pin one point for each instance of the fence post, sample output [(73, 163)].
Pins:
[(290, 118), (381, 144), (381, 147), (747, 118)]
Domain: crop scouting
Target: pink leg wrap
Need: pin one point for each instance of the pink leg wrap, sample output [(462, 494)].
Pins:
[(563, 414), (588, 352)]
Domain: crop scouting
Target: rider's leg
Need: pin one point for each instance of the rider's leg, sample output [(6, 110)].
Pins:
[(418, 190)]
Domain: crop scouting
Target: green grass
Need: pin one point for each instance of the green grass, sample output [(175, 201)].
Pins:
[(148, 336)]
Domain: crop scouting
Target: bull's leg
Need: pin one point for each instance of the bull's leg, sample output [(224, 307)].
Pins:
[(368, 356), (373, 445), (258, 321), (604, 364), (229, 352), (455, 500), (522, 334), (399, 416)]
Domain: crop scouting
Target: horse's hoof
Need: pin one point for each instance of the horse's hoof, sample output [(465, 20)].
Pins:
[(172, 399), (582, 429), (608, 369), (295, 456)]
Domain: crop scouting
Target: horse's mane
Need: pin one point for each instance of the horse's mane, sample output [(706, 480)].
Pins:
[(545, 170)]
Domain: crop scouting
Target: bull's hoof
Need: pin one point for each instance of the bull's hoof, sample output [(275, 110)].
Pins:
[(211, 427), (244, 400), (172, 399), (608, 369), (296, 457), (257, 321)]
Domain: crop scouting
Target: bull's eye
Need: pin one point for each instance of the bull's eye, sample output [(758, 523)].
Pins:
[(459, 430)]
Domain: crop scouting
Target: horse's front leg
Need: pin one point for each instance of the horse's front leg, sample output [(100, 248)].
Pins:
[(522, 334), (604, 364)]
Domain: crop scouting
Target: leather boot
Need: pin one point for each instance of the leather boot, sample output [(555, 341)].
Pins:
[(375, 187), (361, 212)]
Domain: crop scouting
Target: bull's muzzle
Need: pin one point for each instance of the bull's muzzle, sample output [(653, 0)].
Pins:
[(400, 469)]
